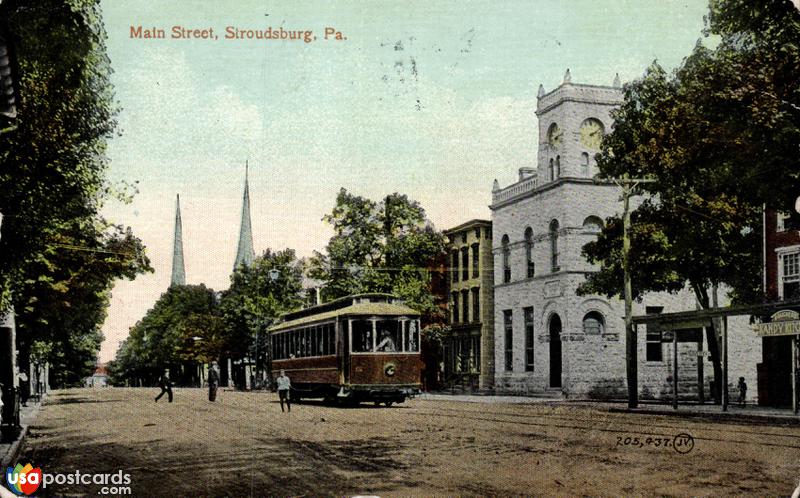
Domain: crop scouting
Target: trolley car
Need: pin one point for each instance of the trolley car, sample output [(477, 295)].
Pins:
[(358, 348)]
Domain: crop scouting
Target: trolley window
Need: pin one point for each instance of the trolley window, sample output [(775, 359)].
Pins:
[(362, 336), (315, 340), (384, 335), (330, 333), (389, 335), (411, 341)]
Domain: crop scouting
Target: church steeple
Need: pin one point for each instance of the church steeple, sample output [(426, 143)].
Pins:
[(178, 271), (244, 251)]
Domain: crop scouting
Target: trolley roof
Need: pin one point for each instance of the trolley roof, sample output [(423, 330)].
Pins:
[(359, 304)]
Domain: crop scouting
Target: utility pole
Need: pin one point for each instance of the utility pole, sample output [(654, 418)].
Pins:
[(629, 186)]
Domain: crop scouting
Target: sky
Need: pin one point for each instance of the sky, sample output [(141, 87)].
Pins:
[(431, 99)]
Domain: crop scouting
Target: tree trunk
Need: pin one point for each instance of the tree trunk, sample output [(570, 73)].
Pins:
[(712, 338)]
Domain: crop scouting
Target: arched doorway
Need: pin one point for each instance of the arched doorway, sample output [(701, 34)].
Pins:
[(555, 351)]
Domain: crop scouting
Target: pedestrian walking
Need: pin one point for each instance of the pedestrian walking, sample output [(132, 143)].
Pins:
[(213, 381), (742, 391), (166, 386), (24, 388), (284, 385)]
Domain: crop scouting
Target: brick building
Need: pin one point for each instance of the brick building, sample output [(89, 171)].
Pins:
[(781, 282), (549, 339), (469, 348)]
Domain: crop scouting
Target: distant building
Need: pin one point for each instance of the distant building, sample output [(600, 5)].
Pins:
[(469, 347), (99, 378), (547, 338)]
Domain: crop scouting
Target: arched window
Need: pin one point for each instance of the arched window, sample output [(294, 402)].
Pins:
[(593, 323), (593, 225), (585, 164), (529, 251), (552, 171), (558, 166), (506, 260), (554, 245)]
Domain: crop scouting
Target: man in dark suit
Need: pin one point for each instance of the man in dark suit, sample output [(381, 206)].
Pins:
[(166, 386), (213, 381)]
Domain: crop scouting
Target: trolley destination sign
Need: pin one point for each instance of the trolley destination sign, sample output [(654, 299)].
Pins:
[(784, 322)]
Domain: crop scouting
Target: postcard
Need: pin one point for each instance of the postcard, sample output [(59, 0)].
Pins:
[(451, 248)]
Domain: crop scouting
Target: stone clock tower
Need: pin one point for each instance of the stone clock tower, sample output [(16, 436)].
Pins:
[(548, 340), (572, 121)]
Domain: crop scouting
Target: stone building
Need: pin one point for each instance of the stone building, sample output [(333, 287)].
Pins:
[(549, 339), (469, 348)]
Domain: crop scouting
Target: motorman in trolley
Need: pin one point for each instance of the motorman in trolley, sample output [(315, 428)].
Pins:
[(284, 384), (386, 343)]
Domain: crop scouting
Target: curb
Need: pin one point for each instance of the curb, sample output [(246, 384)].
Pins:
[(13, 451), (755, 419)]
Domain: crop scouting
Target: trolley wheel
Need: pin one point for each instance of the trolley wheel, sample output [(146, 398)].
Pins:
[(377, 403), (387, 404)]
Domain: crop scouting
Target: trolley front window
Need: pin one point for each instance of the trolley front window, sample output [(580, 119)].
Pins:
[(389, 335), (384, 335), (362, 336)]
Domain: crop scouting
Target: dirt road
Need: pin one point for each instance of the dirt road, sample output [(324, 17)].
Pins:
[(243, 445)]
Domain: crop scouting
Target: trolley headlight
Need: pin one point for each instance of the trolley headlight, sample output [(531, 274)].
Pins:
[(389, 369)]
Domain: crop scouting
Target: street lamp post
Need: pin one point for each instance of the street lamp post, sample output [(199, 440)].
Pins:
[(274, 274), (257, 376)]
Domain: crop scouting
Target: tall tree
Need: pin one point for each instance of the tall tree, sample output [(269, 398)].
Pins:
[(720, 136), (52, 167), (161, 338), (65, 294), (59, 257), (387, 246), (256, 298)]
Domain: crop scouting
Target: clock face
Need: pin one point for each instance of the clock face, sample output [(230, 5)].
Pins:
[(555, 136), (592, 134)]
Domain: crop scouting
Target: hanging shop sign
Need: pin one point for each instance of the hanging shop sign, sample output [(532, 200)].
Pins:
[(784, 322)]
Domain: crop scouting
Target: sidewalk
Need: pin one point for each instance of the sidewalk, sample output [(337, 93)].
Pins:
[(749, 414), (487, 398), (8, 451)]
